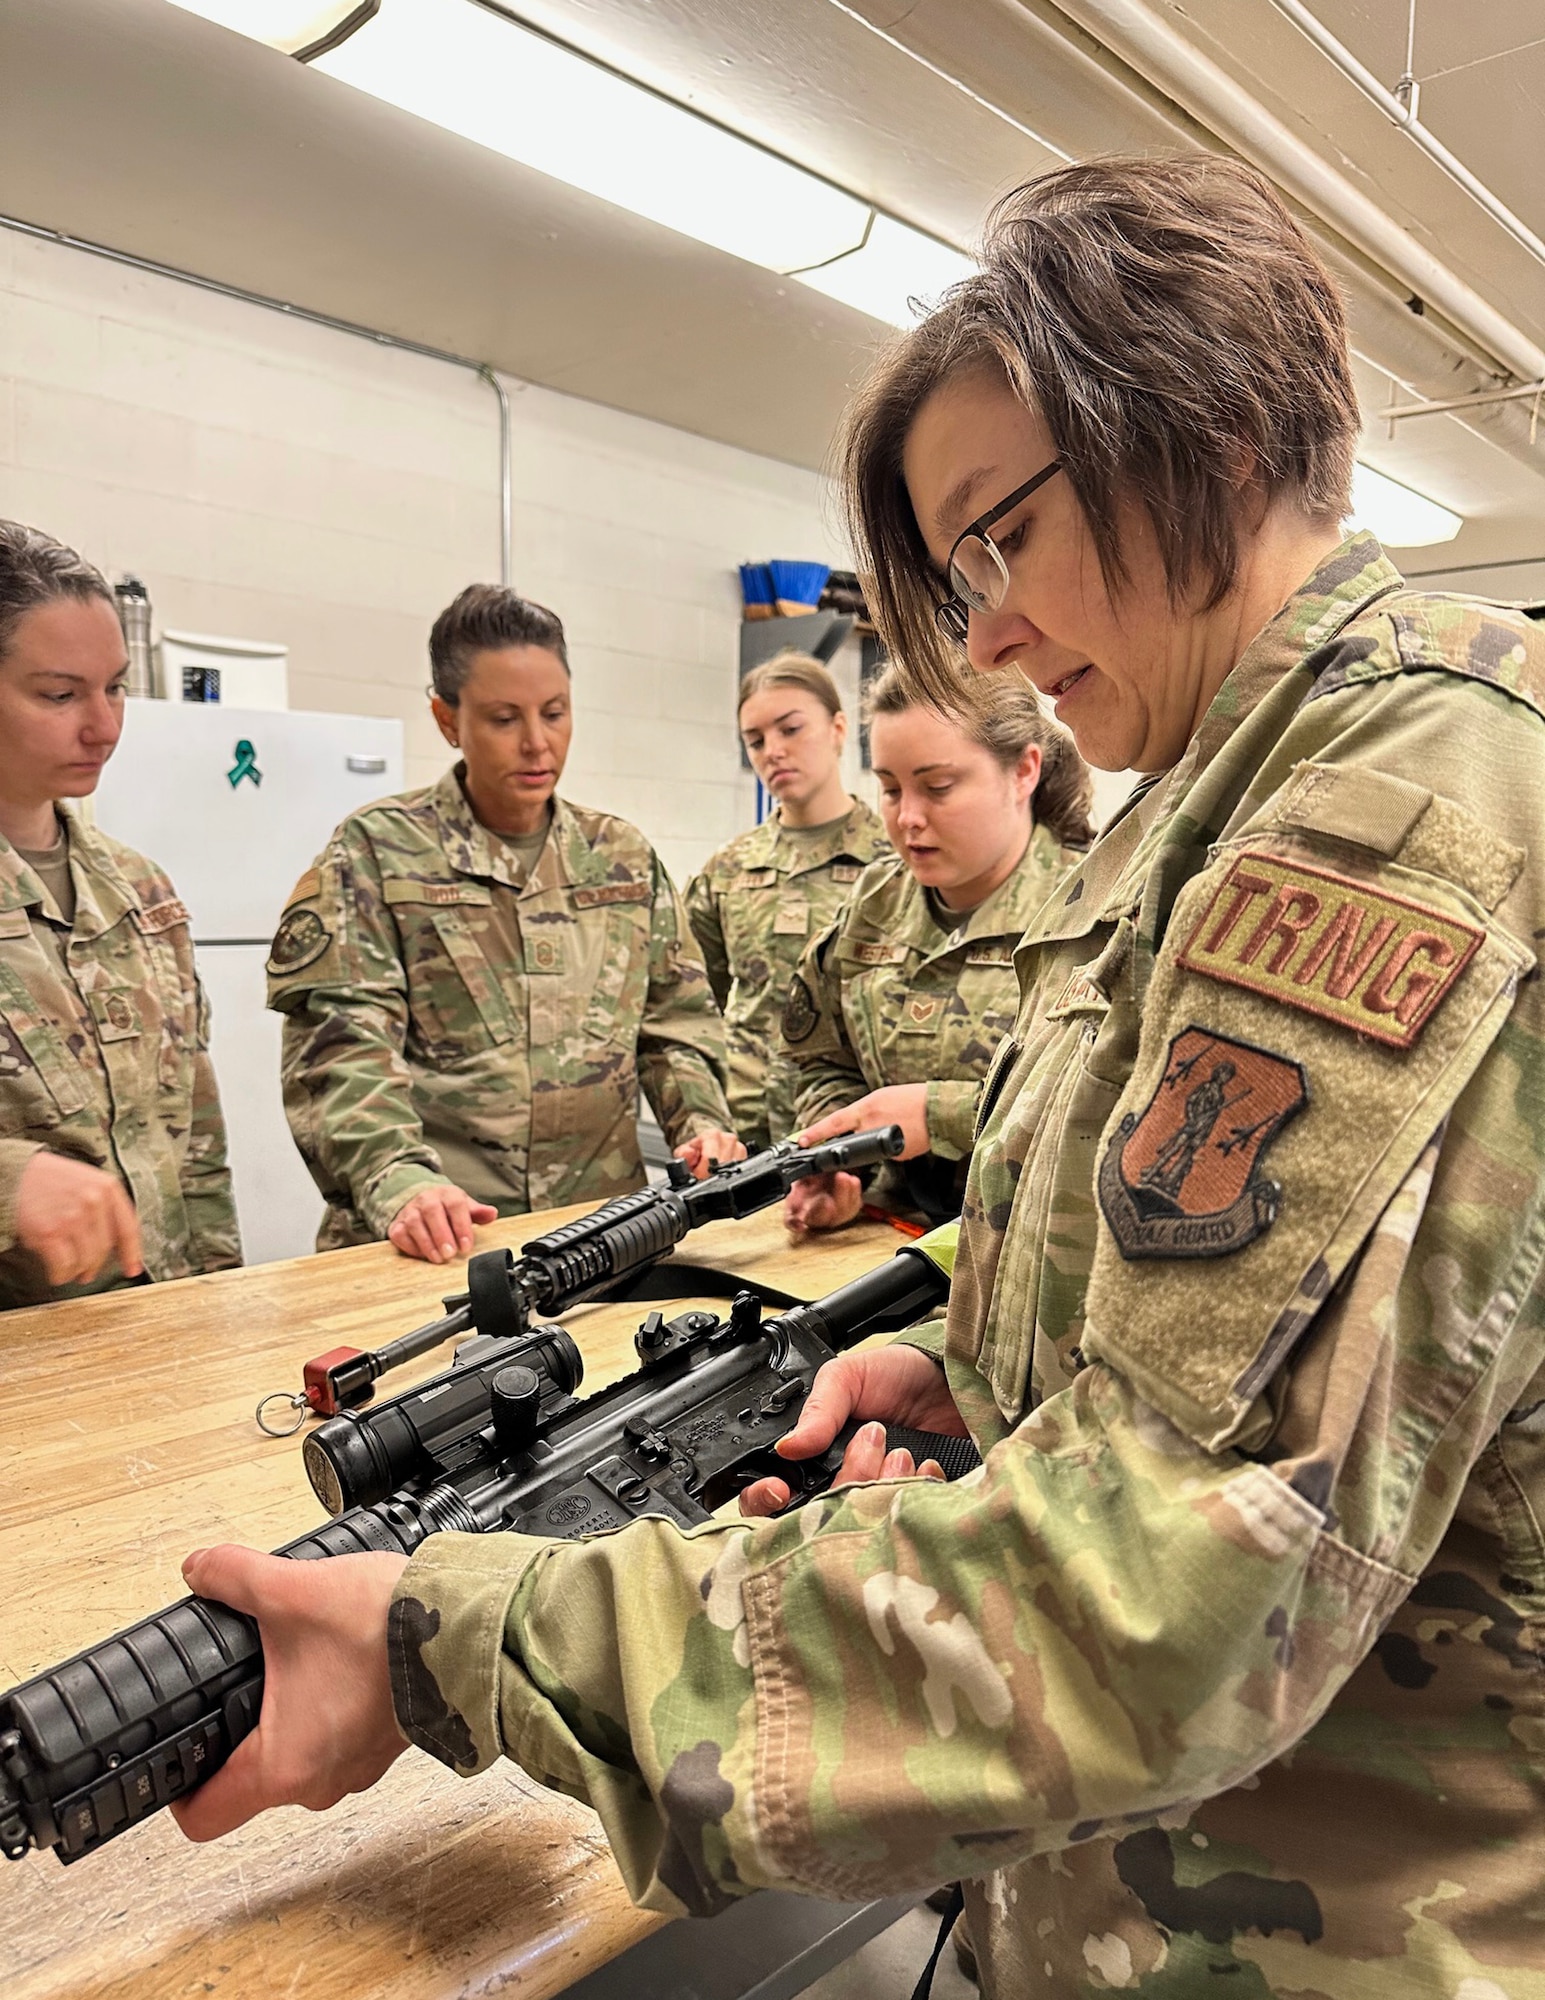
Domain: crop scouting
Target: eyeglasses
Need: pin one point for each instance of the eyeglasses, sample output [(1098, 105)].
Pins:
[(979, 577)]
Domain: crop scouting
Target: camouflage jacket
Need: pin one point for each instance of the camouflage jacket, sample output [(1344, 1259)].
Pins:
[(446, 1022), (888, 995), (1229, 1661), (110, 1065), (753, 909)]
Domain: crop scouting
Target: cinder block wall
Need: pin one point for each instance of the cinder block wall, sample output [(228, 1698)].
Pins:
[(270, 479)]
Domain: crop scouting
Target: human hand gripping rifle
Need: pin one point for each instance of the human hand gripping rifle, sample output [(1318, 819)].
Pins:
[(612, 1253), (497, 1441)]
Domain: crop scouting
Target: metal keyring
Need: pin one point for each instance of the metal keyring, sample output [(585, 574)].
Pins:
[(300, 1404)]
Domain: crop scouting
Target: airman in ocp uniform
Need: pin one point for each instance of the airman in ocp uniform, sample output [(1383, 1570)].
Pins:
[(477, 978), (1226, 1671), (112, 1145), (899, 1006), (763, 896)]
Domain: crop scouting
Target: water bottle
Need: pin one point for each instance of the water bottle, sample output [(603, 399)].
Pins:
[(134, 616)]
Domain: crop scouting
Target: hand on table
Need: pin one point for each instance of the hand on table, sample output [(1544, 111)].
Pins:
[(823, 1201), (705, 1150), (899, 1385), (436, 1223), (73, 1218), (327, 1726), (903, 1104)]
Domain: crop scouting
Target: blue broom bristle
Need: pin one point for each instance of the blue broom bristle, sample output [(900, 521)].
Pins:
[(798, 583)]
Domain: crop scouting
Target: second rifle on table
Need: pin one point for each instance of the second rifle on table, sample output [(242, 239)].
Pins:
[(606, 1254)]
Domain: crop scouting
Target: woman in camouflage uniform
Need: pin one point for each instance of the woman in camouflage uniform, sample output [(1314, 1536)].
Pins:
[(112, 1147), (761, 898), (1226, 1672), (897, 1008), (477, 977)]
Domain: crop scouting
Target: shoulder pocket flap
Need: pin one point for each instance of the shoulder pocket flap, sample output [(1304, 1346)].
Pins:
[(869, 951), (1369, 808), (166, 915), (598, 893), (1259, 1140), (402, 889)]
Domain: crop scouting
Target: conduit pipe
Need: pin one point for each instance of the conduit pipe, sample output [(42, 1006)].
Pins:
[(334, 325), (1404, 114), (1150, 46)]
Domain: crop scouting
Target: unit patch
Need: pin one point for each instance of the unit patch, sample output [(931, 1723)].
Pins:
[(1332, 946), (300, 941), (799, 1011), (1182, 1177)]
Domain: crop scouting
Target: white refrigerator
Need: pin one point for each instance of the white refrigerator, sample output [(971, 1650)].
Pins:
[(235, 804)]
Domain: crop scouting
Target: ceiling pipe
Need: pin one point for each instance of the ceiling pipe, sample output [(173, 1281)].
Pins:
[(1401, 111), (1136, 34)]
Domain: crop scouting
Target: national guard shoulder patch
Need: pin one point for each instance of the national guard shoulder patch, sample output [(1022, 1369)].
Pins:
[(1182, 1178), (1331, 945), (799, 1011), (300, 940)]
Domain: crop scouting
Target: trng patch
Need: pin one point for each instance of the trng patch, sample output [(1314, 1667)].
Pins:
[(300, 940), (799, 1011), (1182, 1177), (1332, 946)]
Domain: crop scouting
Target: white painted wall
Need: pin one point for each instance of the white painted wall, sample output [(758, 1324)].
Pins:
[(270, 479)]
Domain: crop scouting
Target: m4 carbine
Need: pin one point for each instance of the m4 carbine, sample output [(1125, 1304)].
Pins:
[(606, 1254), (497, 1441)]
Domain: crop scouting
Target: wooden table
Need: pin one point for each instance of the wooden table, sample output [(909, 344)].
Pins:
[(127, 1438)]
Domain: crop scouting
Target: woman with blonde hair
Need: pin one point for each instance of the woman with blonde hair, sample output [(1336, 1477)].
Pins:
[(764, 895), (898, 1008)]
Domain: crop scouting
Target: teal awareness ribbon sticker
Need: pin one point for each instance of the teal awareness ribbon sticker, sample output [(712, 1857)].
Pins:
[(245, 765)]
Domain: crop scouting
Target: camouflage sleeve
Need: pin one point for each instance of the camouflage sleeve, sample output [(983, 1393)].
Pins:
[(952, 1107), (214, 1241), (825, 1069), (903, 1684), (336, 975), (681, 1055), (702, 907), (14, 1155)]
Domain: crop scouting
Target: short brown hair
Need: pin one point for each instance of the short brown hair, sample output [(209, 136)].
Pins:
[(791, 669), (36, 570), (485, 617), (1003, 714), (1171, 323)]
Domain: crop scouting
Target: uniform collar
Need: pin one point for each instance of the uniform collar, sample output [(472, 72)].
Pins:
[(1008, 910), (470, 848), (1275, 671), (854, 835), (103, 894)]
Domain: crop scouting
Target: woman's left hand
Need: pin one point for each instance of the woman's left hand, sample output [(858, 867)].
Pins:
[(707, 1150), (823, 1201)]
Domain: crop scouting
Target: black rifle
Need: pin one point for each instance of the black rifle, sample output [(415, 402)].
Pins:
[(610, 1253), (497, 1441)]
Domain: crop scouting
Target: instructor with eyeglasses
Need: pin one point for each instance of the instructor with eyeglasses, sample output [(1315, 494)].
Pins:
[(1226, 1672)]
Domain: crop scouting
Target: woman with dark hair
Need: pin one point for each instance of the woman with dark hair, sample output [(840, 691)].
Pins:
[(112, 1147), (760, 899), (1225, 1671), (477, 978), (899, 1005)]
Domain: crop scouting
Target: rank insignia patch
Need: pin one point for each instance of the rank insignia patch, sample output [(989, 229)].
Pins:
[(799, 1011), (1182, 1178), (1332, 946)]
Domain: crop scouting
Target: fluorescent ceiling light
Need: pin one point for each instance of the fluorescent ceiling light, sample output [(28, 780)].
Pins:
[(1398, 516), (286, 25), (486, 78)]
